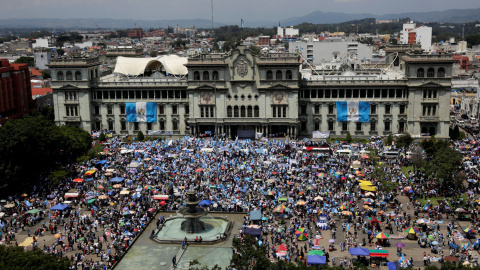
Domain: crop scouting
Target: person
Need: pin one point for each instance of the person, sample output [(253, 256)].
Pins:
[(174, 260)]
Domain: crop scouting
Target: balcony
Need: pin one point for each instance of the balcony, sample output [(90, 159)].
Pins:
[(72, 119), (429, 118), (71, 101)]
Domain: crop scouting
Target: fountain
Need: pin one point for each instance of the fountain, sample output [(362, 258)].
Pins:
[(191, 222), (192, 214)]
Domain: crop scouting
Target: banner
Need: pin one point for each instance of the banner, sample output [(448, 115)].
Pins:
[(141, 112), (154, 132), (321, 134), (353, 111)]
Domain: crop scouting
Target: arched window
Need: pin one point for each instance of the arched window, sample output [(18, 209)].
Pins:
[(229, 111), (431, 73), (242, 111), (269, 75), (215, 75), (256, 111), (60, 76), (78, 76), (278, 75), (235, 111), (249, 111), (69, 76), (196, 76), (420, 73), (206, 76), (288, 75), (441, 72)]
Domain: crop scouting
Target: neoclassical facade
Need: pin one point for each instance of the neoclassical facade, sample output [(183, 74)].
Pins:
[(240, 94)]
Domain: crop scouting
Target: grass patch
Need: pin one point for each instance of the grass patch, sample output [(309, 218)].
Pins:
[(433, 200), (405, 170)]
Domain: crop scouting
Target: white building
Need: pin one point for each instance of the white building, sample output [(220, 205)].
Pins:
[(411, 33), (318, 52), (286, 32)]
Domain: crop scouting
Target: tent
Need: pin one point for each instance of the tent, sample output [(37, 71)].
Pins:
[(116, 179), (134, 165), (316, 259), (160, 197), (359, 251), (378, 253), (205, 203), (253, 231), (71, 195), (322, 222), (170, 64), (101, 162), (256, 215), (59, 207)]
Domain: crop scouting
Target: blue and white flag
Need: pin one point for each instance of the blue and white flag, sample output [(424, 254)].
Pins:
[(141, 112), (353, 111)]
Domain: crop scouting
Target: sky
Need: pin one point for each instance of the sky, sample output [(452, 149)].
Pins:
[(225, 11)]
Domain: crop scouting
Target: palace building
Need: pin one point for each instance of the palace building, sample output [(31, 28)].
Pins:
[(241, 94)]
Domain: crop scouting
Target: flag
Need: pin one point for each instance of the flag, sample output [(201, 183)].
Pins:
[(241, 22), (353, 111), (141, 112)]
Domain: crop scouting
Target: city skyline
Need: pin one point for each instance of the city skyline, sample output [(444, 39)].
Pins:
[(224, 11)]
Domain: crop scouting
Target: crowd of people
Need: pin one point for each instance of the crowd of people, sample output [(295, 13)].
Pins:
[(96, 213)]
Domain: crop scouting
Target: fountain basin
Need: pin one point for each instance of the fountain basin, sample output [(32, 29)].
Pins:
[(216, 230)]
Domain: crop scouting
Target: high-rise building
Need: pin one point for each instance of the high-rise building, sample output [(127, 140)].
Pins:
[(15, 91), (411, 34)]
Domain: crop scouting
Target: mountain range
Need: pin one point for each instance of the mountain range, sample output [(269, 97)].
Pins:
[(316, 17)]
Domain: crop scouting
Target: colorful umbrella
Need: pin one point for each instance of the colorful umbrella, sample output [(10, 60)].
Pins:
[(301, 202), (78, 180), (347, 213), (100, 187), (117, 186), (270, 193), (460, 210), (301, 234), (58, 235), (469, 230), (128, 213), (381, 235), (368, 200), (422, 220), (321, 175), (412, 230), (343, 207), (148, 187), (199, 170), (316, 252), (102, 197), (400, 245)]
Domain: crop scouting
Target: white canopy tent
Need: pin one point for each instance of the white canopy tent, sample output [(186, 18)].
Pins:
[(170, 64)]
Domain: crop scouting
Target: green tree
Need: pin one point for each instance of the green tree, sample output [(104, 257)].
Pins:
[(349, 137), (445, 164), (455, 133), (102, 137), (389, 140), (46, 74), (404, 140), (34, 146), (26, 60), (140, 136), (48, 112), (18, 259)]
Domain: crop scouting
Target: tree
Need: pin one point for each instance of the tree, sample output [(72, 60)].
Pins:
[(46, 74), (26, 60), (455, 133), (404, 140), (17, 258), (389, 139), (349, 137), (140, 136), (445, 164), (101, 137), (416, 157), (34, 146)]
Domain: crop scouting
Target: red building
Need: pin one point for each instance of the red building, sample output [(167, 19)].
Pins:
[(15, 91), (263, 41), (463, 61), (135, 33)]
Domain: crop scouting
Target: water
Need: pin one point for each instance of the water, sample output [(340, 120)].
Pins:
[(171, 230)]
